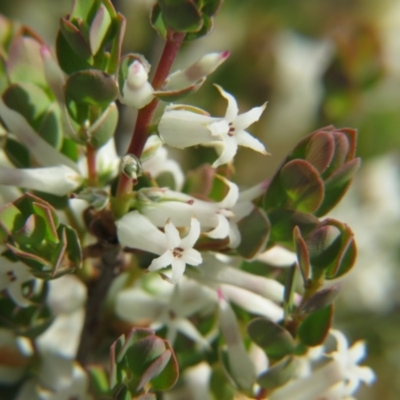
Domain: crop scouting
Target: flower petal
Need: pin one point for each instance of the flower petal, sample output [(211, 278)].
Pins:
[(191, 238), (178, 268), (172, 235), (231, 197), (244, 120), (192, 257), (180, 128), (163, 261), (221, 231), (234, 235), (245, 139), (228, 152), (136, 231), (232, 109), (59, 180)]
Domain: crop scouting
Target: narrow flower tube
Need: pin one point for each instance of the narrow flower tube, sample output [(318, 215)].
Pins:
[(59, 180), (197, 71), (240, 364), (183, 128), (44, 153), (136, 231), (137, 92)]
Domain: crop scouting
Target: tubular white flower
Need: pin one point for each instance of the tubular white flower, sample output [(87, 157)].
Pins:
[(182, 128), (240, 364), (13, 361), (157, 162), (59, 180), (12, 276), (136, 231), (218, 220), (197, 71), (337, 379), (137, 91), (169, 306), (44, 153)]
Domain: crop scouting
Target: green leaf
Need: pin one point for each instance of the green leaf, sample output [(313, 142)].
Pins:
[(321, 299), (17, 153), (75, 39), (302, 254), (32, 233), (116, 45), (24, 63), (104, 127), (320, 150), (157, 21), (207, 26), (154, 369), (220, 386), (98, 381), (83, 9), (69, 61), (336, 186), (180, 15), (279, 374), (169, 375), (99, 28), (173, 95), (303, 186), (315, 327), (50, 128), (274, 339), (290, 287), (91, 87), (30, 321), (284, 221), (11, 218), (254, 230), (28, 100), (332, 248)]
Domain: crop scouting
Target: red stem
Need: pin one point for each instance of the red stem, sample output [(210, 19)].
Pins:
[(91, 164), (145, 115)]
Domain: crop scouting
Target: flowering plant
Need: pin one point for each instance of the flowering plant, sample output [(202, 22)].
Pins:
[(117, 286)]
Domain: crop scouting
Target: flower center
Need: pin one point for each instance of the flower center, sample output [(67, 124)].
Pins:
[(177, 252), (231, 131), (11, 276)]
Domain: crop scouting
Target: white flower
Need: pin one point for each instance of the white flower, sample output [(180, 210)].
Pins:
[(255, 294), (218, 220), (155, 161), (167, 305), (59, 180), (12, 276), (182, 128), (58, 378), (136, 231), (13, 360), (337, 379), (348, 359), (58, 174), (197, 72), (137, 92), (241, 367)]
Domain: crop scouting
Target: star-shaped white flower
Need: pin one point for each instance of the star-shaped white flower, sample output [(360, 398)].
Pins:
[(136, 231), (218, 220), (182, 128), (157, 304), (348, 358), (12, 276)]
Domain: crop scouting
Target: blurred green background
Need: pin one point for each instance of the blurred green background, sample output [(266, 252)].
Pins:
[(316, 63)]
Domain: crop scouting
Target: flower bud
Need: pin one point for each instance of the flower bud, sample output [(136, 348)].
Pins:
[(197, 71), (136, 90)]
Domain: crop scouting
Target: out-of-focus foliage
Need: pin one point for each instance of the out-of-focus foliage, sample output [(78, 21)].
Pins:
[(317, 63)]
